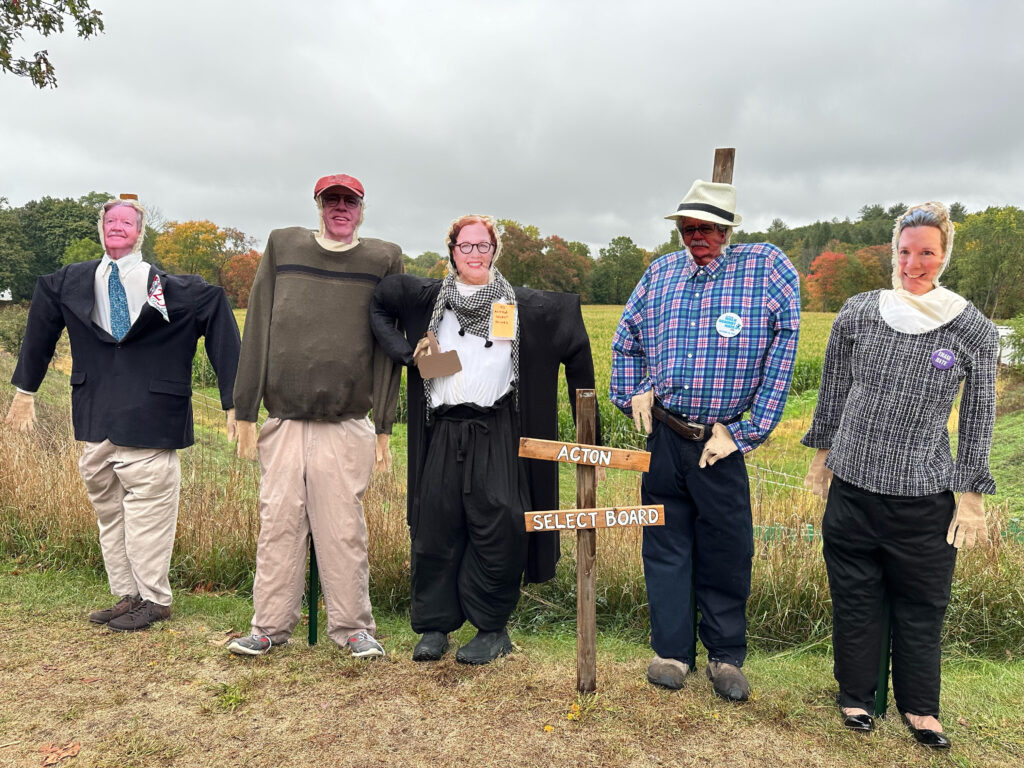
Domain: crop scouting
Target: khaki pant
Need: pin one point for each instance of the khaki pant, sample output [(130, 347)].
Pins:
[(313, 476), (134, 492)]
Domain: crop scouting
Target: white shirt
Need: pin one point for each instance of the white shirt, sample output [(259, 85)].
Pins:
[(486, 373), (134, 274)]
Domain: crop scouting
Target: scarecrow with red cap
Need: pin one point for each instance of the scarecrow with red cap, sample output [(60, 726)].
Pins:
[(309, 356)]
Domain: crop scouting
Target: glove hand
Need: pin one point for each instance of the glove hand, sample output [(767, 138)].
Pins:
[(22, 414), (641, 405), (819, 477), (247, 432), (422, 349), (718, 447), (382, 454), (968, 522), (230, 425)]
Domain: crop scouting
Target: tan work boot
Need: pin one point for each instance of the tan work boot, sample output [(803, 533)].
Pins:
[(668, 673)]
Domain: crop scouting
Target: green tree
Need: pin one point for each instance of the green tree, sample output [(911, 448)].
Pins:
[(43, 17), (83, 249), (423, 263), (51, 224), (17, 260), (957, 212), (617, 271), (988, 261)]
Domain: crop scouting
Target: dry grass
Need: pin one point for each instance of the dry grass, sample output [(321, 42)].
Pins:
[(173, 696)]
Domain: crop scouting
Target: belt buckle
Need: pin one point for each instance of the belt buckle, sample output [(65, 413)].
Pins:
[(699, 428)]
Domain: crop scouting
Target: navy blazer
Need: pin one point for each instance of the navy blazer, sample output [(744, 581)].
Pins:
[(135, 392)]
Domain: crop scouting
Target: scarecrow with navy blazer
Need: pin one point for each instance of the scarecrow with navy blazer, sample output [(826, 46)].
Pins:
[(133, 331)]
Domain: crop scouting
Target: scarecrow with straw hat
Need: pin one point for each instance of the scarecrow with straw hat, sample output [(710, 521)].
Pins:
[(702, 360)]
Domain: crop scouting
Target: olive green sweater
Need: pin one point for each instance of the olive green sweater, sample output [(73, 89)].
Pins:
[(307, 349)]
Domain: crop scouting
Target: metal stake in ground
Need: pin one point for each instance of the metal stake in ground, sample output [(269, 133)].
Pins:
[(313, 595), (587, 518)]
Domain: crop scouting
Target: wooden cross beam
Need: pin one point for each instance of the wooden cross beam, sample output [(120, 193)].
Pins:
[(587, 517)]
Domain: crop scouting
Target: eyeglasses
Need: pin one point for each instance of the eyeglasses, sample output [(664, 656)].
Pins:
[(332, 199), (480, 247), (704, 229)]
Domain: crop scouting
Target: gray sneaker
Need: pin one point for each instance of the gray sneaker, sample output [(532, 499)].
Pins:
[(251, 645), (363, 644), (668, 673)]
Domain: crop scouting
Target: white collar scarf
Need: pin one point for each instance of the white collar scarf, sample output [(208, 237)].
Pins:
[(909, 313)]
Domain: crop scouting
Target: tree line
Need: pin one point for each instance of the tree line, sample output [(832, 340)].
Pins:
[(835, 259)]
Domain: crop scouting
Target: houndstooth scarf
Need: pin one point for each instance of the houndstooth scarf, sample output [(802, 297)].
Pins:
[(474, 315)]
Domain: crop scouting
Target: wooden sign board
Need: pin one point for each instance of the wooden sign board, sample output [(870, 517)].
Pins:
[(578, 453), (582, 519)]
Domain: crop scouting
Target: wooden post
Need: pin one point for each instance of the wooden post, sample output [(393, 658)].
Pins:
[(724, 159), (313, 594), (586, 550)]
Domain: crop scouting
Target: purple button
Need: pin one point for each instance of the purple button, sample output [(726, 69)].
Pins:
[(943, 359)]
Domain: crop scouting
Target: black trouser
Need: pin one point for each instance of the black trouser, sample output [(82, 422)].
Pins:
[(879, 545), (702, 552), (469, 543)]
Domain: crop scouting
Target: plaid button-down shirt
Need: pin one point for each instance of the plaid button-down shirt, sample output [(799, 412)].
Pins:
[(668, 338)]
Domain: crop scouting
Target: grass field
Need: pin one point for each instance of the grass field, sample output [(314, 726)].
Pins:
[(173, 696)]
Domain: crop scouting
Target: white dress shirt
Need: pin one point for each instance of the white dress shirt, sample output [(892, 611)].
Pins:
[(134, 273)]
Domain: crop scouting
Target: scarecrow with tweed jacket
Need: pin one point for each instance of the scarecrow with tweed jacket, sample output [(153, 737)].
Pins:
[(467, 488), (895, 362)]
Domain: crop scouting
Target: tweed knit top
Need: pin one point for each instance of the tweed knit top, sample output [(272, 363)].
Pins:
[(886, 396)]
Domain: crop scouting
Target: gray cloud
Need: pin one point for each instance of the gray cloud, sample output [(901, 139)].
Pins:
[(588, 120)]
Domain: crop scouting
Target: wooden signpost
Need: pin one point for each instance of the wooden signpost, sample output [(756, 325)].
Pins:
[(587, 518)]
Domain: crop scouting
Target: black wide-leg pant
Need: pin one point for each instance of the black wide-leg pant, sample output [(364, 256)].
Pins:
[(877, 545), (469, 541)]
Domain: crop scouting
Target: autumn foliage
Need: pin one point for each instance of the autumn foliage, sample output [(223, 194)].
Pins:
[(237, 274)]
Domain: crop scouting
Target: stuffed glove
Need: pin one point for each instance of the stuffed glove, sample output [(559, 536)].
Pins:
[(382, 454), (22, 413), (819, 477), (718, 447), (968, 522), (230, 425), (422, 349), (641, 405), (247, 432)]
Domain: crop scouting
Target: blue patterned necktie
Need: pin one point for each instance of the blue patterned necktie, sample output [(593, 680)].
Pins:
[(119, 321)]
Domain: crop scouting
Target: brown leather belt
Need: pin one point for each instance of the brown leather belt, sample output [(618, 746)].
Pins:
[(688, 429)]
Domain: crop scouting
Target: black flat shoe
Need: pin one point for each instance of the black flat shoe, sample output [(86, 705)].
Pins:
[(859, 723), (926, 737)]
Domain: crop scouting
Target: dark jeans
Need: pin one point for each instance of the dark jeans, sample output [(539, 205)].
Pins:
[(701, 554), (878, 545), (469, 544)]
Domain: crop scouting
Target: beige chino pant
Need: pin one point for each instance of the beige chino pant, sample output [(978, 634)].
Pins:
[(134, 492), (313, 476)]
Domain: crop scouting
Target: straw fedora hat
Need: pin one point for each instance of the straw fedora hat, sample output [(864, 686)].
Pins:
[(709, 201)]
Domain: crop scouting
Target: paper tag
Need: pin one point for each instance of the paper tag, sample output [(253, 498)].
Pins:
[(155, 299), (503, 321), (729, 325)]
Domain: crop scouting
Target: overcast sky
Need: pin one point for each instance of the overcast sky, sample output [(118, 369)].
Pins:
[(587, 119)]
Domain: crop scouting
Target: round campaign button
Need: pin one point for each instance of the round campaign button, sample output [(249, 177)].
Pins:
[(943, 359), (729, 325)]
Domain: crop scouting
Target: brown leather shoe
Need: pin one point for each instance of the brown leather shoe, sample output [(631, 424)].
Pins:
[(728, 680), (125, 604), (140, 617)]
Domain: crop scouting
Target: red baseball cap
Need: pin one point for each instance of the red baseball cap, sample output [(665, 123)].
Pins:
[(338, 180)]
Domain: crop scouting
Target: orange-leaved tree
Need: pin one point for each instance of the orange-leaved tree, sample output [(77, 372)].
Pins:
[(199, 248), (237, 275)]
